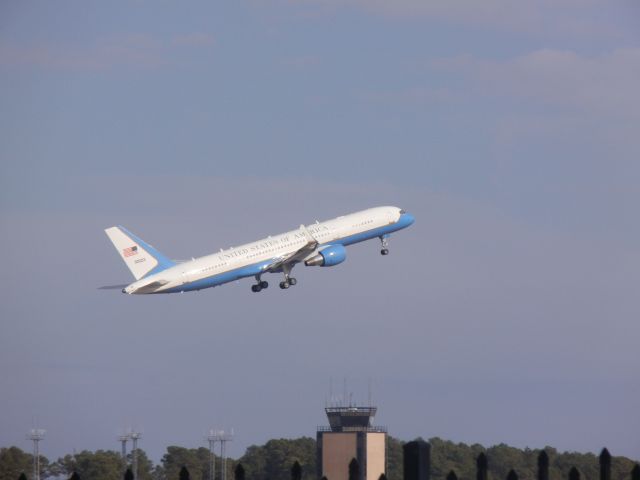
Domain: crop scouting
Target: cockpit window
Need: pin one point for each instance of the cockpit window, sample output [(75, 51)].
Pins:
[(402, 211)]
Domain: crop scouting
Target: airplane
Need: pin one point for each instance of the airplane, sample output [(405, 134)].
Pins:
[(320, 244)]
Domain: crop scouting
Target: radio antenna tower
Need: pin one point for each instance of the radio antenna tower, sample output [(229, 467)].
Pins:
[(35, 435), (123, 440), (134, 436)]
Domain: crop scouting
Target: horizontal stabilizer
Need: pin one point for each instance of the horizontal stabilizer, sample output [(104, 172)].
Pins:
[(113, 287)]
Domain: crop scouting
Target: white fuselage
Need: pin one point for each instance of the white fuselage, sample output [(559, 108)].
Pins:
[(254, 259)]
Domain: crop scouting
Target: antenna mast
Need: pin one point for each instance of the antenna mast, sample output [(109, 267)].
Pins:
[(344, 392), (330, 392), (36, 435)]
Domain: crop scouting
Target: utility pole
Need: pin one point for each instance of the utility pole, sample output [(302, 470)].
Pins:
[(36, 435), (135, 436)]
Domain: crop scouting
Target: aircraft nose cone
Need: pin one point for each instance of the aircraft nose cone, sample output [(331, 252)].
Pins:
[(407, 219), (124, 290)]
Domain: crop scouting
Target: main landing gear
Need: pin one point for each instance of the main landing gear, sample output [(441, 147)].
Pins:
[(385, 244), (260, 285), (289, 281)]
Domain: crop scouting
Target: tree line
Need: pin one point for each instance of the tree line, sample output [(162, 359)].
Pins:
[(274, 460)]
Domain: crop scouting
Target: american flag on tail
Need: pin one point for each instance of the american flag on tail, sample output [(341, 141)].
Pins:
[(128, 252)]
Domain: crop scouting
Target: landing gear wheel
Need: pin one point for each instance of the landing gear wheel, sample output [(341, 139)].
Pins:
[(264, 284), (292, 281), (256, 288), (384, 251), (284, 285)]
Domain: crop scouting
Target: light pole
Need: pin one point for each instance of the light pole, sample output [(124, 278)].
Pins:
[(36, 435)]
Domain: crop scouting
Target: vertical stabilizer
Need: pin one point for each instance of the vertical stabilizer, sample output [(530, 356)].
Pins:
[(140, 257)]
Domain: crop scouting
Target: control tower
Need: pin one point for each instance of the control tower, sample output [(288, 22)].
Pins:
[(350, 435)]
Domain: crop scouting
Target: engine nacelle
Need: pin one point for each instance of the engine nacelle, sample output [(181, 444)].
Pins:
[(328, 256)]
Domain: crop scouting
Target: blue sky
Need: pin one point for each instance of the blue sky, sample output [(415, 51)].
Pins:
[(507, 313)]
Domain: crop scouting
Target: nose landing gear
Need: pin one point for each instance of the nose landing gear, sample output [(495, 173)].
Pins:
[(385, 244)]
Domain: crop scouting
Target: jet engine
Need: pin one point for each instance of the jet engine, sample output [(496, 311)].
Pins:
[(328, 256)]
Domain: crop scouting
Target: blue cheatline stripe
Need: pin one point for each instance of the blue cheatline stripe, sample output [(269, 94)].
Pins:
[(226, 277), (256, 268), (163, 261)]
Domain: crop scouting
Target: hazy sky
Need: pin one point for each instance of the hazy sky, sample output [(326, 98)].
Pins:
[(509, 312)]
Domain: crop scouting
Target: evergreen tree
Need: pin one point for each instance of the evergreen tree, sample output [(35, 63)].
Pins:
[(574, 474), (354, 469), (543, 466), (184, 473), (605, 465), (238, 473), (483, 466), (296, 471)]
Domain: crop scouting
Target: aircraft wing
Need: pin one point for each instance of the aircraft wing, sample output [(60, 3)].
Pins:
[(297, 256)]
